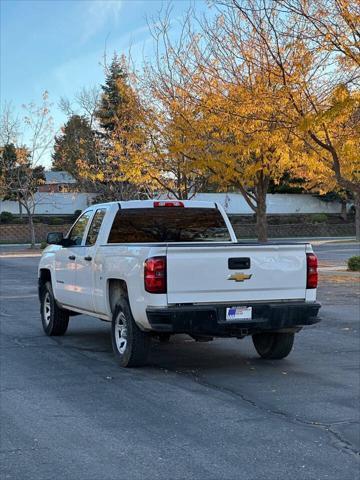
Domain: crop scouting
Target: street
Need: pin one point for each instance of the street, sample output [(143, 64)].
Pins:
[(202, 411), (338, 252)]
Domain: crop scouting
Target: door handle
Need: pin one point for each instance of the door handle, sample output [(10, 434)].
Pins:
[(88, 259), (72, 257), (241, 262)]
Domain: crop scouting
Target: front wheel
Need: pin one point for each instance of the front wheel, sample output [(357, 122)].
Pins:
[(273, 345), (130, 344), (54, 319)]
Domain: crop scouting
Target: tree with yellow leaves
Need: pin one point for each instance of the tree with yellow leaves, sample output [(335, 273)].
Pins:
[(286, 90), (148, 140), (237, 139), (172, 159), (318, 97), (333, 25), (244, 152), (175, 147)]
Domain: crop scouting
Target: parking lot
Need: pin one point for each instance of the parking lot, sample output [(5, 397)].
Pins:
[(206, 411)]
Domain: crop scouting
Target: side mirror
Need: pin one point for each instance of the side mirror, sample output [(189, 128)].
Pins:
[(55, 238)]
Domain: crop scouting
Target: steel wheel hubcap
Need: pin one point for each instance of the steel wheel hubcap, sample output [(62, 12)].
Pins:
[(47, 308), (121, 333)]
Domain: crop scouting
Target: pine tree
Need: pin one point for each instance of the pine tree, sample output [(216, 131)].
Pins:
[(8, 161), (76, 144), (120, 139), (113, 96)]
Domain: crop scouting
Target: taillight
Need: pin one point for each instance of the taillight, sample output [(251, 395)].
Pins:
[(155, 275), (168, 204), (312, 272)]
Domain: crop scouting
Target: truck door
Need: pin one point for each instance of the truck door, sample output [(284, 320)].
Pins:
[(66, 263), (86, 268)]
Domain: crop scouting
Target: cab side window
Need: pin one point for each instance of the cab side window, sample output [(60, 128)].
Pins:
[(95, 226), (77, 232)]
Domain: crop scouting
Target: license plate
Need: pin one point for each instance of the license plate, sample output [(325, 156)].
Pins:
[(239, 313)]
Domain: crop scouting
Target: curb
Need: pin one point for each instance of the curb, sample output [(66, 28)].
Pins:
[(20, 255)]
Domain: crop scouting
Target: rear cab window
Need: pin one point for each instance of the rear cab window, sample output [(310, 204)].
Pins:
[(164, 224)]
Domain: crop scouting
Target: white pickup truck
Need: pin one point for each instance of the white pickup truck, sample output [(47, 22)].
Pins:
[(157, 268)]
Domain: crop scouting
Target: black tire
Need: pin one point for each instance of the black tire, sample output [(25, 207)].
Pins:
[(54, 319), (273, 345), (131, 347), (164, 337)]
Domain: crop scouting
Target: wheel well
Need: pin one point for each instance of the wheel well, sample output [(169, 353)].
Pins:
[(116, 288), (45, 276)]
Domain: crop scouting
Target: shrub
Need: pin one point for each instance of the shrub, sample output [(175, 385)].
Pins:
[(293, 220), (77, 214), (55, 221), (43, 245), (319, 217), (36, 220), (6, 217), (354, 263)]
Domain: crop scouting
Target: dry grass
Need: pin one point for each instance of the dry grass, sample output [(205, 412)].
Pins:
[(352, 278)]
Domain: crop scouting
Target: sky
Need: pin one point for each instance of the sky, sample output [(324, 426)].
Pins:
[(58, 45)]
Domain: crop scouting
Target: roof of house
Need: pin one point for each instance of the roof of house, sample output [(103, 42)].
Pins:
[(58, 177)]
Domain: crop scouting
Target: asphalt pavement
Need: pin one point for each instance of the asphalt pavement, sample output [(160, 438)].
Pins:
[(336, 252), (202, 411)]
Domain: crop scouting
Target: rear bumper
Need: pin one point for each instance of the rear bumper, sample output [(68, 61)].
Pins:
[(211, 319)]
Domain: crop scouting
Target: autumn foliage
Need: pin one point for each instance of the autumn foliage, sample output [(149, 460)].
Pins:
[(255, 90)]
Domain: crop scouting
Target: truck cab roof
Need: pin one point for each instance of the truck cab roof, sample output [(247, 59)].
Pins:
[(159, 203)]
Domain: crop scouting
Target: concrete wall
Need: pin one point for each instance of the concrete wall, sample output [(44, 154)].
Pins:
[(53, 203), (234, 203)]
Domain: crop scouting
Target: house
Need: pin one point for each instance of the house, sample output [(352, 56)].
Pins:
[(56, 182)]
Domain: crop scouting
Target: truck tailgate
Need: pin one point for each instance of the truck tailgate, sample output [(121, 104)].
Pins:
[(235, 273)]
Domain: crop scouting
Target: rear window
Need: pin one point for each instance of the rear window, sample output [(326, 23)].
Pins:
[(168, 224)]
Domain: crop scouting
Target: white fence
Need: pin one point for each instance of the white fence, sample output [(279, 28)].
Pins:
[(67, 203), (52, 203), (286, 203)]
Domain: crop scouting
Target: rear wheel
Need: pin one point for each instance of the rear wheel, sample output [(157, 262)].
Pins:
[(273, 345), (54, 319), (130, 344), (164, 337)]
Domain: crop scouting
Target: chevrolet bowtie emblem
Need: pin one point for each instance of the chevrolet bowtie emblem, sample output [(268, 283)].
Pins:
[(239, 277)]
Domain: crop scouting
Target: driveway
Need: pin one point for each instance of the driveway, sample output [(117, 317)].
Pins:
[(202, 411)]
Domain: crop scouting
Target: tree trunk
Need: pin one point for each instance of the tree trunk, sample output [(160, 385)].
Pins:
[(32, 230), (343, 213), (261, 219), (31, 225), (261, 189), (357, 214), (257, 202), (20, 211)]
